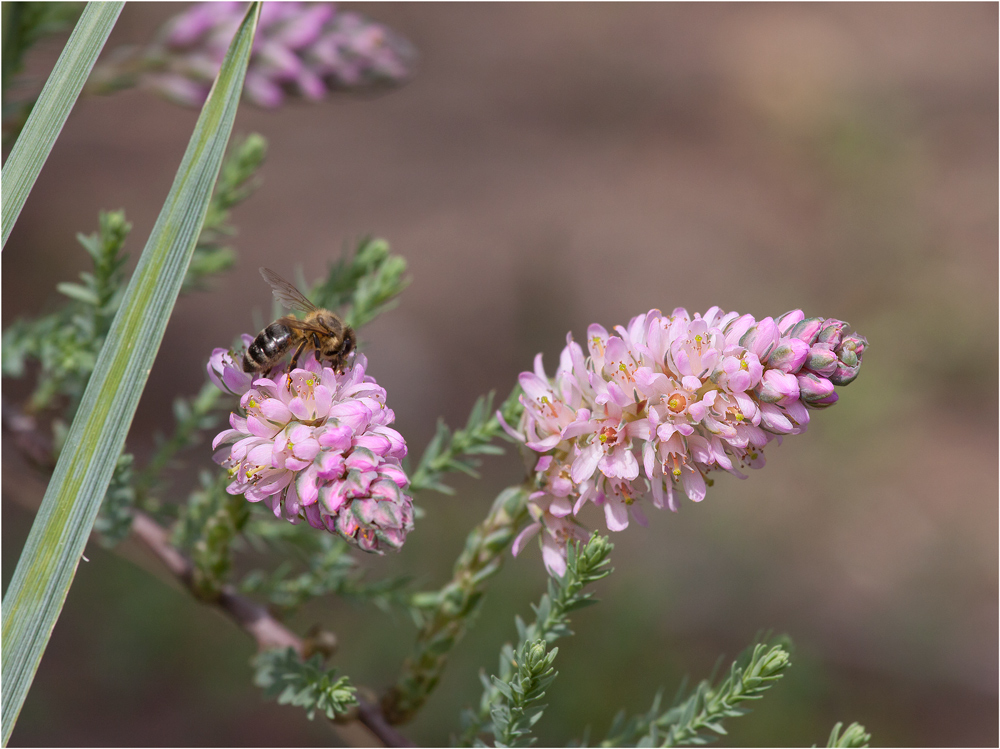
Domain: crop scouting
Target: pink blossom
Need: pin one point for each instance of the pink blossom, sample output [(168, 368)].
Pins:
[(316, 445), (665, 401), (303, 49)]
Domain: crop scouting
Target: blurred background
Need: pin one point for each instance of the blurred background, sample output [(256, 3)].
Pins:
[(550, 166)]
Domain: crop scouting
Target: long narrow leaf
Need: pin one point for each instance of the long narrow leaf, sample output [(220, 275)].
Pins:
[(53, 106), (64, 521)]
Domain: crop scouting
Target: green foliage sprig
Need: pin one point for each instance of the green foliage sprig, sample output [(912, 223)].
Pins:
[(66, 342), (585, 564), (366, 283), (237, 182), (208, 525), (445, 615), (524, 677), (688, 720), (24, 23), (282, 674), (853, 736), (193, 417), (330, 569), (449, 452)]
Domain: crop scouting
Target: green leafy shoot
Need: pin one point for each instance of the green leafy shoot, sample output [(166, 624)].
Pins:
[(444, 615), (365, 284), (114, 521), (510, 699), (853, 736), (281, 674), (330, 569), (193, 417), (448, 451), (524, 677), (698, 718), (24, 23), (237, 181), (66, 342), (207, 528)]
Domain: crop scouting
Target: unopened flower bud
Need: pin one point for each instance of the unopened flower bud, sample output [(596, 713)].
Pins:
[(789, 355), (777, 386), (822, 360), (761, 338), (807, 329), (849, 354), (813, 388), (831, 331)]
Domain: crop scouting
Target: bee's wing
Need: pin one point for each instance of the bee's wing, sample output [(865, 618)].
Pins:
[(285, 293), (305, 327)]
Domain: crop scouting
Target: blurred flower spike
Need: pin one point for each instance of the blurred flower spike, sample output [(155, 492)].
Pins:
[(665, 402), (316, 445), (304, 49)]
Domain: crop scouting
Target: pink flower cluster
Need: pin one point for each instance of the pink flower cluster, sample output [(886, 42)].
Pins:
[(316, 445), (303, 48), (663, 403)]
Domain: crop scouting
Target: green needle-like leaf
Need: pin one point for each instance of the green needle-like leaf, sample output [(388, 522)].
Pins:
[(53, 106), (64, 521)]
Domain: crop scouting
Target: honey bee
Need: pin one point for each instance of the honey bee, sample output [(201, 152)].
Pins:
[(321, 330)]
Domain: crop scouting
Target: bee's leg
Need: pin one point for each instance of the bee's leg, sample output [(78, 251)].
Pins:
[(298, 352)]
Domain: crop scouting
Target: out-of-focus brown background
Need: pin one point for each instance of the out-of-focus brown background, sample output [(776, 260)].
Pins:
[(555, 165)]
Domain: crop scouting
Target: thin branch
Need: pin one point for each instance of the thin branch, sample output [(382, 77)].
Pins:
[(252, 617)]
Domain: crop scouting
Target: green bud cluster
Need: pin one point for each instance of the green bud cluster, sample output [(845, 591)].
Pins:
[(704, 710), (524, 677), (585, 564), (853, 736), (209, 523)]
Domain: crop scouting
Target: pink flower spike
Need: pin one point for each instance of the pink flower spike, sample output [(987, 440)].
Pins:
[(307, 445), (684, 395)]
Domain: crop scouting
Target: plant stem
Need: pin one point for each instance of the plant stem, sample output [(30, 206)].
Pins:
[(452, 607)]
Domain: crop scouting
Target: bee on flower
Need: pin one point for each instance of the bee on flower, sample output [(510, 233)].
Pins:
[(316, 445)]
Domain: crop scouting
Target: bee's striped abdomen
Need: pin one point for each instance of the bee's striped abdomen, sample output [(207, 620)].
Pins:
[(269, 345)]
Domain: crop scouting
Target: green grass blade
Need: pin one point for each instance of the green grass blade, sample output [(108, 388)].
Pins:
[(53, 106), (66, 516)]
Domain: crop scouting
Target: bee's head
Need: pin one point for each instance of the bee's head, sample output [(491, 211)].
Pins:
[(337, 348)]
